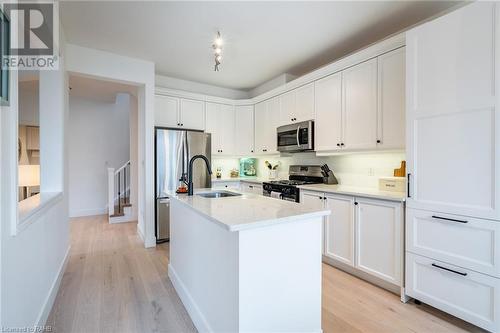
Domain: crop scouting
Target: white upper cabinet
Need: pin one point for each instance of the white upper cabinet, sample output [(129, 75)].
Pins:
[(359, 84), (166, 111), (266, 119), (328, 124), (362, 107), (297, 105), (220, 123), (192, 114), (391, 100), (179, 113), (244, 130), (453, 122)]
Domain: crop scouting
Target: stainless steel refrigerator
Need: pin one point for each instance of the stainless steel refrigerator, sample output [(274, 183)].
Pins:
[(173, 150)]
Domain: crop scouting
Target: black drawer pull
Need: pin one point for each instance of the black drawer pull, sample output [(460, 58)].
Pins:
[(447, 219), (449, 270)]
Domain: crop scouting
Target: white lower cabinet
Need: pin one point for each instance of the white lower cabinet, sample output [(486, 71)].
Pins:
[(226, 185), (339, 229), (459, 240), (464, 293), (366, 234), (251, 188), (315, 200), (379, 235)]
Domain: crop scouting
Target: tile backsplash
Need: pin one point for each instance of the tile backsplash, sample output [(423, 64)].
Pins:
[(357, 169)]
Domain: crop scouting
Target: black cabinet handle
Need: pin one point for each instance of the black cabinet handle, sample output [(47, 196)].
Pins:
[(356, 203), (408, 185), (251, 151), (342, 144), (320, 198), (449, 270), (378, 141), (338, 144), (448, 219)]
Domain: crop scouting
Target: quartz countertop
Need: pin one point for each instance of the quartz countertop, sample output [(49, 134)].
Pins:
[(356, 191), (247, 211)]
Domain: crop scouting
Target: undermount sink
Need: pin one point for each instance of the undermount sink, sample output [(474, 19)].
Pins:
[(218, 194)]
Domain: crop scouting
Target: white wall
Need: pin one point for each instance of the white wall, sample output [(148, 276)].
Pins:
[(140, 73), (271, 84), (200, 88), (32, 261), (359, 169), (99, 137)]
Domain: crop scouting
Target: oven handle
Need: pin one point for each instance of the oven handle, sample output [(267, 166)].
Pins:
[(298, 133)]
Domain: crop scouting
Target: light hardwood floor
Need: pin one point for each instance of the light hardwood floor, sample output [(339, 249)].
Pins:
[(113, 284)]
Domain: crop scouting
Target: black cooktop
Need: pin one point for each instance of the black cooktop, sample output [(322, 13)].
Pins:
[(291, 182)]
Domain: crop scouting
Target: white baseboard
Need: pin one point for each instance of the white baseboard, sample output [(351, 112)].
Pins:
[(88, 212), (192, 308), (49, 301)]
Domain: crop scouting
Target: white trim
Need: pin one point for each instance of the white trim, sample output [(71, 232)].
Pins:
[(49, 301), (88, 212), (30, 209), (192, 308)]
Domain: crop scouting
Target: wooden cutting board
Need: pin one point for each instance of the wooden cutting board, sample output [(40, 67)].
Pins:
[(401, 172)]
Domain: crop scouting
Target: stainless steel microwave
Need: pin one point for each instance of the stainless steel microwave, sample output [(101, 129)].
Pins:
[(296, 137)]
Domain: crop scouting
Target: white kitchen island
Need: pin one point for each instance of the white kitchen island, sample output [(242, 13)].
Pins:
[(247, 263)]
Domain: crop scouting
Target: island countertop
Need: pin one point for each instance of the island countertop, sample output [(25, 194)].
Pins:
[(246, 211)]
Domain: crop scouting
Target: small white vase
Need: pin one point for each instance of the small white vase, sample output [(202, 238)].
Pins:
[(273, 174)]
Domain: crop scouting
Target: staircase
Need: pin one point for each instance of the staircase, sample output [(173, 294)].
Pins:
[(119, 206)]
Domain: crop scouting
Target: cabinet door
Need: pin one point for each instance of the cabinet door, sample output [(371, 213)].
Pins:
[(315, 200), (261, 124), (304, 103), (453, 146), (339, 229), (225, 128), (464, 293), (166, 111), (273, 119), (287, 111), (212, 111), (244, 130), (192, 114), (359, 84), (328, 124), (391, 100), (379, 238)]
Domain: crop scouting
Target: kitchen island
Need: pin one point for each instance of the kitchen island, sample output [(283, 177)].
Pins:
[(247, 263)]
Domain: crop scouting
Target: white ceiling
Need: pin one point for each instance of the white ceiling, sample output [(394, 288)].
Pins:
[(262, 39)]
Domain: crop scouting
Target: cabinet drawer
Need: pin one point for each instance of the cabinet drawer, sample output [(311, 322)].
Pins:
[(467, 242), (466, 294)]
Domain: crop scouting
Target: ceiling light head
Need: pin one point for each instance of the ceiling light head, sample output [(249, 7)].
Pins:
[(217, 47)]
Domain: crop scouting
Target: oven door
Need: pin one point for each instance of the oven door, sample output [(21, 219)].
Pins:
[(296, 137)]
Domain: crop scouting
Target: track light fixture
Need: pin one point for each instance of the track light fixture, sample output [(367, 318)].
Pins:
[(217, 47)]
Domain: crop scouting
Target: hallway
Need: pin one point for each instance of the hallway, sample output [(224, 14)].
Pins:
[(113, 284)]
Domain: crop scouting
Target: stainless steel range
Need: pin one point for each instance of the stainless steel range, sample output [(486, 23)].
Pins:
[(298, 175)]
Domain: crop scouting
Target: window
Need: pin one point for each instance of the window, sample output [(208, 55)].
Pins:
[(28, 134)]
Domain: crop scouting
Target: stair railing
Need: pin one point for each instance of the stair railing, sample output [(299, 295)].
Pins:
[(118, 189)]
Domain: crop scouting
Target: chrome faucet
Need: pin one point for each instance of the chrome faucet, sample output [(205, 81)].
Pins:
[(190, 171)]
